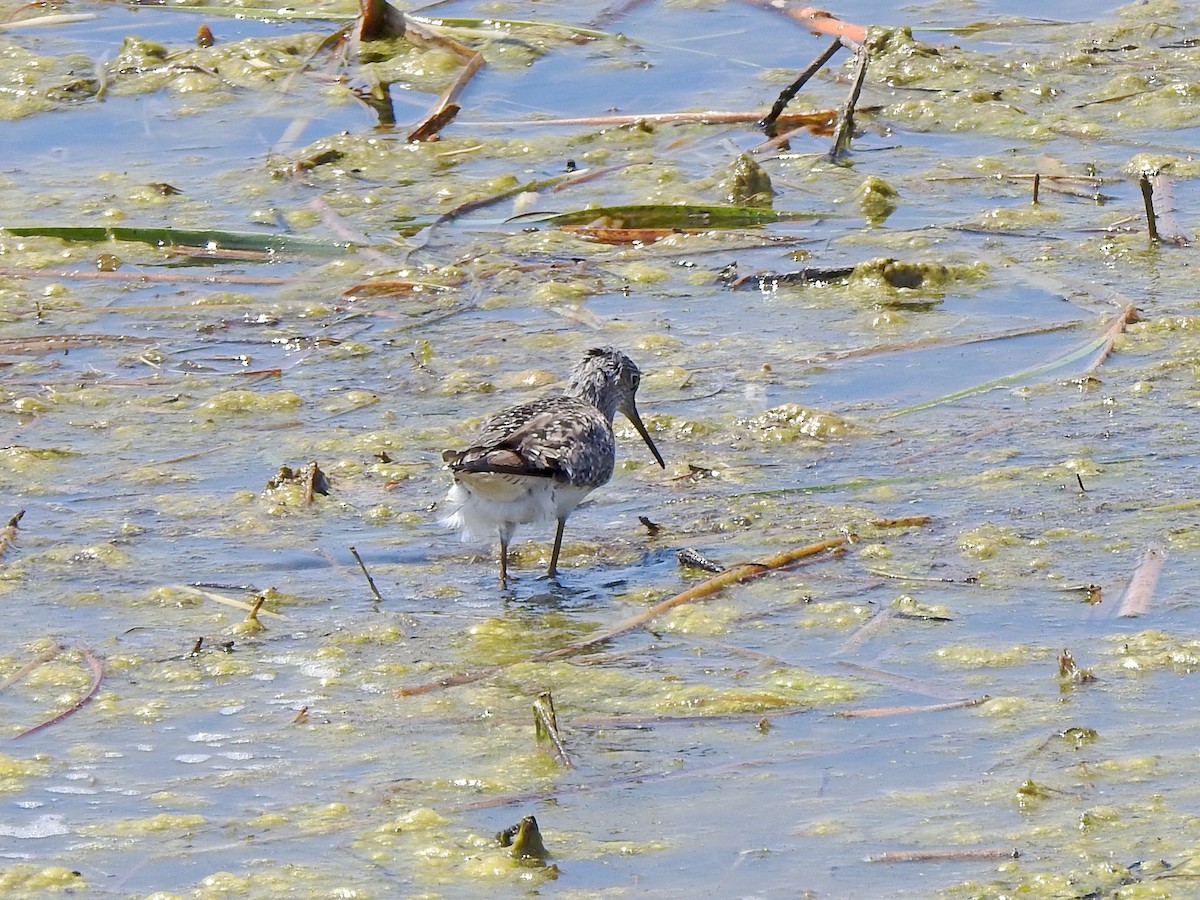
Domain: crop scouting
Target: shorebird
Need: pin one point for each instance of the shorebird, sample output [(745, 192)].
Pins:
[(537, 461)]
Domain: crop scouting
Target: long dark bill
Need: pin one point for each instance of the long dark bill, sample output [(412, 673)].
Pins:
[(631, 414)]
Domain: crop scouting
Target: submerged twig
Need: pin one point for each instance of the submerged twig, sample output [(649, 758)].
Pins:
[(370, 580), (733, 575), (545, 722), (97, 668), (1140, 592), (768, 122), (845, 128)]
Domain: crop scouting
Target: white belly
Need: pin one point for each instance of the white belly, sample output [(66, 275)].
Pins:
[(481, 505)]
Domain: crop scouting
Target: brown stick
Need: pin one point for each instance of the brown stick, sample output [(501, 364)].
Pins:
[(97, 668), (814, 19), (708, 117), (445, 109), (735, 575), (1140, 592), (370, 580)]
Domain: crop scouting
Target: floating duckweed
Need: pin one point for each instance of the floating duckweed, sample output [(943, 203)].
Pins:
[(701, 619), (839, 614), (747, 183), (226, 883), (909, 606), (244, 401), (791, 422), (163, 822), (22, 877), (1030, 795), (985, 541), (983, 657), (1152, 650), (877, 199), (463, 382), (642, 273), (1005, 708), (652, 344), (29, 405), (13, 773)]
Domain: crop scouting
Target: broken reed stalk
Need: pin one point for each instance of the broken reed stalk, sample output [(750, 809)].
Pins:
[(41, 659), (934, 855), (1148, 199), (97, 668), (815, 20), (881, 711), (445, 109), (1115, 327), (1037, 186), (370, 580), (8, 535), (845, 128), (734, 575), (545, 722), (1140, 592), (767, 123)]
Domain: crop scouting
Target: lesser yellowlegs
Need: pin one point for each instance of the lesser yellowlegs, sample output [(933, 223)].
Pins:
[(537, 461)]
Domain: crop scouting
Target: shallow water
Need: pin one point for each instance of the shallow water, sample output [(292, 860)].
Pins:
[(146, 408)]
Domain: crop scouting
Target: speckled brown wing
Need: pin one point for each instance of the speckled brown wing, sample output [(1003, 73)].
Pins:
[(559, 437)]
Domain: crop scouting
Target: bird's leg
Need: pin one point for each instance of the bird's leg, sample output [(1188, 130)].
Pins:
[(503, 560), (553, 570)]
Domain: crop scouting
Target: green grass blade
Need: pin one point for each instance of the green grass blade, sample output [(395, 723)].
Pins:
[(678, 216), (182, 237)]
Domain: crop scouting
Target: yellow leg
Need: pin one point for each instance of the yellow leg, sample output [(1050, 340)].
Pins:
[(503, 562)]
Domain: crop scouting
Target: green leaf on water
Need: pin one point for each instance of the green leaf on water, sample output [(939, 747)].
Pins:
[(677, 216), (178, 237)]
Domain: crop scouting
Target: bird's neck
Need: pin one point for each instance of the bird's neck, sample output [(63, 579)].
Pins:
[(594, 388)]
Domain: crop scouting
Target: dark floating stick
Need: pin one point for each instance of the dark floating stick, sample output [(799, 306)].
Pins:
[(1037, 186), (767, 123), (370, 580), (1148, 197)]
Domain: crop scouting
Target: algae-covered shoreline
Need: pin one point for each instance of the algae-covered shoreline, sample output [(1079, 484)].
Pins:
[(220, 261)]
